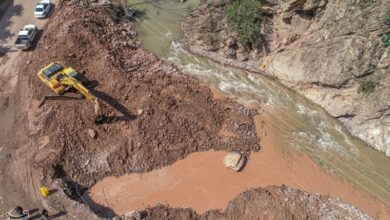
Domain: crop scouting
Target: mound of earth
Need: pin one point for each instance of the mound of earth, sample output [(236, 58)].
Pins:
[(155, 114), (268, 203)]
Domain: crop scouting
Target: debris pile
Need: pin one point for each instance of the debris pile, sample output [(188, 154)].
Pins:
[(269, 203), (155, 114)]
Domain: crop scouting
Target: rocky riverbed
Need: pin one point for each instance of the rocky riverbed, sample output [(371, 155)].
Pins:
[(328, 51)]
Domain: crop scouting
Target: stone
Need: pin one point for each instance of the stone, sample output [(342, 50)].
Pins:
[(231, 41), (140, 111), (242, 55), (234, 161), (92, 133), (134, 215), (230, 53)]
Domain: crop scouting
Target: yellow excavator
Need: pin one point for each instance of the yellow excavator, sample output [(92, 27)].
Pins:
[(61, 80)]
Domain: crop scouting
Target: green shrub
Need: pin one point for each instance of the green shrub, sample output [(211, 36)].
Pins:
[(244, 17), (387, 16), (201, 2), (367, 87), (189, 9), (386, 39)]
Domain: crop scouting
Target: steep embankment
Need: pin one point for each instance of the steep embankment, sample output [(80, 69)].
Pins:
[(329, 51)]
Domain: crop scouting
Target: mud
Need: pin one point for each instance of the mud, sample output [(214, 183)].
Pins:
[(155, 114)]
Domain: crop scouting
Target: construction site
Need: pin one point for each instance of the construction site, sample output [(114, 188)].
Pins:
[(88, 102)]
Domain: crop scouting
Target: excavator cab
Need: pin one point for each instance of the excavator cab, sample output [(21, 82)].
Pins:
[(49, 71), (60, 80)]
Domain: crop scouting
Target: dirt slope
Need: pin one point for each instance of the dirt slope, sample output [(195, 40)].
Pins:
[(155, 114), (269, 203)]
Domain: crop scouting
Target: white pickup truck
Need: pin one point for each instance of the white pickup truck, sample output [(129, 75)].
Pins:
[(26, 37), (42, 9)]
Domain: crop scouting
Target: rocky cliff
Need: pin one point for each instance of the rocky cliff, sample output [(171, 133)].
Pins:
[(330, 51)]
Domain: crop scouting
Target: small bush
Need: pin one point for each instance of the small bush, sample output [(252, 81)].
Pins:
[(386, 39), (244, 17), (189, 9), (387, 17), (201, 2), (367, 87)]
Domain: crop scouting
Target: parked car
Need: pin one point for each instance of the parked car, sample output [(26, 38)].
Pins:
[(42, 9), (26, 37)]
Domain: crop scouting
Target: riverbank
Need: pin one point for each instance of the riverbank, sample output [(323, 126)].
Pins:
[(301, 125), (201, 182), (292, 54), (156, 115), (250, 66)]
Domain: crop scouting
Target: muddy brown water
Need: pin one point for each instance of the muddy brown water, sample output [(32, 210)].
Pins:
[(202, 182), (302, 146)]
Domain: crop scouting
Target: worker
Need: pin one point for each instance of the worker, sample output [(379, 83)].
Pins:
[(44, 191), (17, 214)]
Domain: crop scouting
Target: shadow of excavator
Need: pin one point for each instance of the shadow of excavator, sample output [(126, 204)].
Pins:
[(126, 115)]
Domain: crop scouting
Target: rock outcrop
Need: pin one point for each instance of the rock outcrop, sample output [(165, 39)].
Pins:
[(330, 51)]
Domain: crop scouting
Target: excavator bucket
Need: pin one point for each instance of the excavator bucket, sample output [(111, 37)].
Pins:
[(57, 97)]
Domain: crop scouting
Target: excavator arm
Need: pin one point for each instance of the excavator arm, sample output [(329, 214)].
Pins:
[(74, 83)]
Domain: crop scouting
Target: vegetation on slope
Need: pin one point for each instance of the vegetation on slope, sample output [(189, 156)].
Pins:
[(244, 17), (367, 87)]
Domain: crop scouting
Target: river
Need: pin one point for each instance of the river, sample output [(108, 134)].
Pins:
[(298, 126)]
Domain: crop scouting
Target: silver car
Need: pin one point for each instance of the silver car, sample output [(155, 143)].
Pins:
[(42, 9)]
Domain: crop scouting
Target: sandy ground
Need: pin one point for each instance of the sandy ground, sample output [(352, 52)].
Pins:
[(201, 182)]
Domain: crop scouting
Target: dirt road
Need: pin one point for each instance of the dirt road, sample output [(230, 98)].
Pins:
[(18, 181), (18, 14)]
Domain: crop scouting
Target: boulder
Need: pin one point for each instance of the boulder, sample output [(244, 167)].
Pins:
[(234, 161)]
